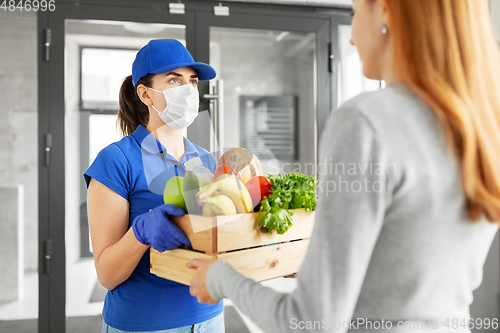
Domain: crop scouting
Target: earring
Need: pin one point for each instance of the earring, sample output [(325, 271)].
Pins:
[(383, 29)]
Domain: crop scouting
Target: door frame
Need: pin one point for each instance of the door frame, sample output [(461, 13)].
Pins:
[(51, 102), (51, 109)]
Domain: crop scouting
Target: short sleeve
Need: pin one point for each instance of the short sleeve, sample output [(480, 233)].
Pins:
[(111, 168)]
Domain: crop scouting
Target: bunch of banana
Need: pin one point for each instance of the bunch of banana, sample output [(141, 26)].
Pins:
[(207, 210), (220, 204), (226, 196)]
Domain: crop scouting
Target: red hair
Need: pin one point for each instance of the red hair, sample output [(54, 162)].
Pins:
[(445, 51)]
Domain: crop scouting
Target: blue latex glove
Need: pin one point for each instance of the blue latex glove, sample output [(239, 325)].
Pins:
[(156, 229)]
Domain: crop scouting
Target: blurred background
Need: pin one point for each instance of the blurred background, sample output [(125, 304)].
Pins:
[(282, 67)]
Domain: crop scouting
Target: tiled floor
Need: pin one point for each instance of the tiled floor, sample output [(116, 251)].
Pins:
[(81, 280), (26, 308)]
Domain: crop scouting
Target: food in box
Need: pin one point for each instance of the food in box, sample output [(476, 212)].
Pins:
[(221, 222), (239, 240)]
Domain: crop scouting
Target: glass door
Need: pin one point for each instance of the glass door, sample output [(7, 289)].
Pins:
[(269, 95), (98, 56), (272, 92), (272, 88), (87, 51)]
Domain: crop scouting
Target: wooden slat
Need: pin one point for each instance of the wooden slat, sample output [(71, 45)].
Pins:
[(171, 265), (259, 264), (245, 232), (200, 231), (268, 262), (233, 232)]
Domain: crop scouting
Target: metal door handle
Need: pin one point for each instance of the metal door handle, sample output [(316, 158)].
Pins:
[(216, 99)]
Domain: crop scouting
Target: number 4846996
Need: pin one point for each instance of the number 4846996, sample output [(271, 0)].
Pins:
[(28, 5), (471, 323)]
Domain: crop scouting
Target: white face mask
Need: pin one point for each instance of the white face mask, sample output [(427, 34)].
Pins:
[(182, 107)]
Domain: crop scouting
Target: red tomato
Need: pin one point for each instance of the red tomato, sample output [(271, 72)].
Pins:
[(225, 169), (259, 187)]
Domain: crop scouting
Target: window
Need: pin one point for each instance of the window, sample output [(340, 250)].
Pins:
[(102, 72)]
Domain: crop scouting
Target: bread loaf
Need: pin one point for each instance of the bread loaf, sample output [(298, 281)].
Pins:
[(243, 161)]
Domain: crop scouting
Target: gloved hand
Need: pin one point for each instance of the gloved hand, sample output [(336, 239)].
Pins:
[(156, 229)]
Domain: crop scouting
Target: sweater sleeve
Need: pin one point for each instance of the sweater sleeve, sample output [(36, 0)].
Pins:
[(349, 216)]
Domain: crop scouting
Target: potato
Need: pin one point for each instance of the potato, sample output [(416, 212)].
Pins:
[(243, 161)]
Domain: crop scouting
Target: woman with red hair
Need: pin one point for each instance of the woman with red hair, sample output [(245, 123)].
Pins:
[(404, 255)]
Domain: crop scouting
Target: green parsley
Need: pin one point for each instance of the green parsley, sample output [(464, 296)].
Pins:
[(290, 191)]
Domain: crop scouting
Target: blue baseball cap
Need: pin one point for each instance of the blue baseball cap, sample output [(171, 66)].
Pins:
[(165, 55)]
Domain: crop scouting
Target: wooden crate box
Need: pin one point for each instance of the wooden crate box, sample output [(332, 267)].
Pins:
[(239, 240)]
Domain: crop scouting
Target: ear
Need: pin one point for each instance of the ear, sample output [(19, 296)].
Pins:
[(383, 12), (143, 93)]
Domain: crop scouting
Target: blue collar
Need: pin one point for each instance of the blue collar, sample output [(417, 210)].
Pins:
[(189, 148), (154, 146)]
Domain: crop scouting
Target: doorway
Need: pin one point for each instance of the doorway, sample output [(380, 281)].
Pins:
[(85, 49)]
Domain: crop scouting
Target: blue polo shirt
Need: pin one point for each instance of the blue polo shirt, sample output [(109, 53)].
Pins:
[(137, 167)]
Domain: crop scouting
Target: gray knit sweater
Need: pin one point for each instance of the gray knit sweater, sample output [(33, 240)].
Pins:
[(392, 248)]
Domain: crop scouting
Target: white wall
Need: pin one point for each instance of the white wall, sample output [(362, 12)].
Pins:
[(18, 125), (495, 17)]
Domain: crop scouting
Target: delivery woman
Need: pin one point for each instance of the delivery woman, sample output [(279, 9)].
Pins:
[(125, 202), (404, 256)]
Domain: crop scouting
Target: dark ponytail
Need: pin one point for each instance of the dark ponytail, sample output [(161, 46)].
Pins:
[(132, 111)]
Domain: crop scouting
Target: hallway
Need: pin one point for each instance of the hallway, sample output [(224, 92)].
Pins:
[(85, 297)]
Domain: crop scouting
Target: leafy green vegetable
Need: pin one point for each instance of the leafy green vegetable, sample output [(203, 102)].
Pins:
[(290, 191)]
